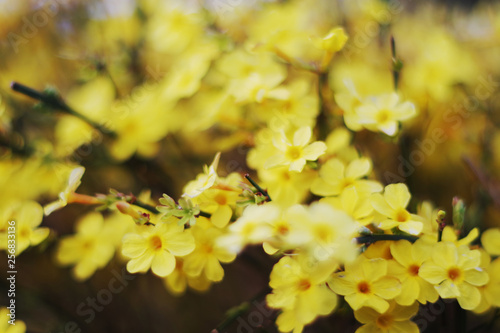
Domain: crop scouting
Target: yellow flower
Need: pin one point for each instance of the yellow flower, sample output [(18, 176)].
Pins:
[(357, 206), (490, 239), (64, 196), (334, 40), (177, 281), (365, 283), (300, 292), (375, 113), (348, 102), (156, 248), (27, 216), (382, 113), (456, 273), (5, 327), (327, 233), (91, 248), (204, 180), (334, 177), (450, 235), (207, 255), (395, 319), (254, 226), (295, 154), (287, 187), (393, 206), (490, 292), (220, 199), (408, 258)]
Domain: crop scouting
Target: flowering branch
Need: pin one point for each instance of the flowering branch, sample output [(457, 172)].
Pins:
[(375, 238), (51, 98)]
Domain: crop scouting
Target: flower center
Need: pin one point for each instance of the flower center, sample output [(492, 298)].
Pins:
[(384, 321), (282, 229), (383, 116), (346, 182), (155, 242), (402, 215), (364, 287), (220, 199), (413, 270), (454, 273), (206, 248), (304, 284), (294, 153), (323, 233)]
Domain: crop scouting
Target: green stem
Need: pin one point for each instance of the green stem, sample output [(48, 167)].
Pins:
[(397, 64), (376, 238), (205, 214), (146, 206), (322, 118), (260, 189), (57, 103), (153, 209)]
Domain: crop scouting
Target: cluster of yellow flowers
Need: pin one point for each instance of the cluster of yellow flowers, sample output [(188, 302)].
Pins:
[(293, 92)]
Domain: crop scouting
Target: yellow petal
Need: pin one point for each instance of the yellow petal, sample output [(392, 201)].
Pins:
[(133, 245), (445, 254), (469, 297), (358, 168), (374, 269), (397, 195), (476, 276), (180, 244), (221, 217), (380, 205), (377, 303), (297, 165), (302, 136), (448, 289), (490, 239), (366, 315), (405, 312), (410, 290), (411, 227), (432, 273), (38, 235), (387, 287), (163, 263), (402, 252), (314, 150), (140, 264), (342, 284), (213, 269)]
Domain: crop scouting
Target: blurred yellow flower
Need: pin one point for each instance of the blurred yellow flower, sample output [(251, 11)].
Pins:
[(27, 216), (91, 248), (335, 177), (295, 154)]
